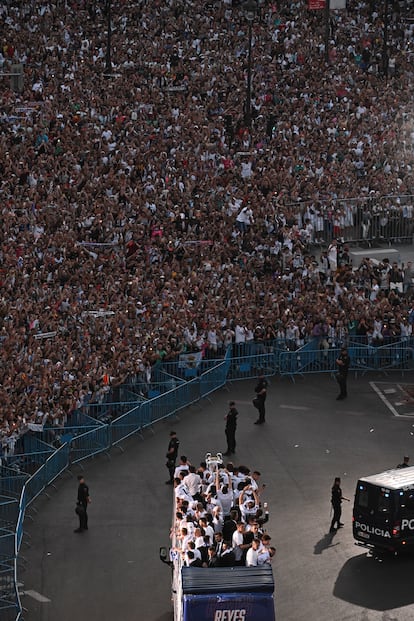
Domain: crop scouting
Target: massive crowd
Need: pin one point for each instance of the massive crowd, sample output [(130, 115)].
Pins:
[(142, 216)]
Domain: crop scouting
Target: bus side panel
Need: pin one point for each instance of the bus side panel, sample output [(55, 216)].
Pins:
[(229, 607)]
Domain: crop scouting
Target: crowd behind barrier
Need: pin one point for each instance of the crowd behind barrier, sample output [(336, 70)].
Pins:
[(144, 221), (25, 476)]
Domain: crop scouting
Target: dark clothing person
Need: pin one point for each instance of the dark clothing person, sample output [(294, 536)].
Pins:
[(231, 425), (229, 526), (342, 363), (82, 505), (172, 452), (261, 393), (336, 501), (405, 463), (227, 558)]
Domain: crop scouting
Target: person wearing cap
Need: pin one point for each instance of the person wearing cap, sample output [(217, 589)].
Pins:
[(172, 452), (405, 463), (343, 361), (230, 430)]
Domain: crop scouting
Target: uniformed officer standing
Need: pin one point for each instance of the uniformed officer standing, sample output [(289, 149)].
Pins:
[(82, 504), (342, 363), (231, 425), (336, 501), (261, 393), (171, 456)]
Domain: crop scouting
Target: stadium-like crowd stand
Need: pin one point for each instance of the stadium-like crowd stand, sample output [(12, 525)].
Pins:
[(141, 216)]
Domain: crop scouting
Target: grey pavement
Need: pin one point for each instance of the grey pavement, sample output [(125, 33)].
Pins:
[(113, 571)]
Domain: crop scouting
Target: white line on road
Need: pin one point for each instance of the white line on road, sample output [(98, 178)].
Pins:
[(294, 407), (385, 400), (37, 596)]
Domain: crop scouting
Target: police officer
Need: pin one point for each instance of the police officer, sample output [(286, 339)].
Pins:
[(82, 504), (342, 364), (261, 393), (171, 456), (336, 502), (230, 430), (405, 463)]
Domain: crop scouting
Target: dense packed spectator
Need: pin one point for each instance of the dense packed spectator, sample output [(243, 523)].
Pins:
[(142, 216)]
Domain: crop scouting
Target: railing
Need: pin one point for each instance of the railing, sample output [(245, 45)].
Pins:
[(83, 435), (361, 219)]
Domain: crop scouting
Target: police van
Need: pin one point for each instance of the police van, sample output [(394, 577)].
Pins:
[(383, 514)]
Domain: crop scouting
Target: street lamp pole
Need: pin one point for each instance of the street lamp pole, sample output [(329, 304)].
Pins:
[(248, 106), (385, 59), (108, 62), (327, 28), (250, 8)]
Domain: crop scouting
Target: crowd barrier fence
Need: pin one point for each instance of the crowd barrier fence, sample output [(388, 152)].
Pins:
[(358, 220), (84, 436)]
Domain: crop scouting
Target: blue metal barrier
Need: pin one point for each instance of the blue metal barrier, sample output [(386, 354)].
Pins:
[(213, 379), (84, 435), (396, 356), (90, 443), (28, 463), (9, 510), (20, 522), (11, 482), (10, 606), (126, 425)]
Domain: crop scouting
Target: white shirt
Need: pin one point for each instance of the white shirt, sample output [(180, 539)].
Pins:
[(193, 483), (237, 540), (252, 558)]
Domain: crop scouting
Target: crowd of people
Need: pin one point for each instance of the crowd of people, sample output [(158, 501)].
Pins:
[(144, 214), (220, 518)]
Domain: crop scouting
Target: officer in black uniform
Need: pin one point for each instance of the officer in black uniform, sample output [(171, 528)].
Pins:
[(336, 501), (261, 393), (171, 456), (231, 425), (82, 504), (342, 364), (405, 463)]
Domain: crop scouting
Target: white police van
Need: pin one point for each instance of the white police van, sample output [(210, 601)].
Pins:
[(383, 514)]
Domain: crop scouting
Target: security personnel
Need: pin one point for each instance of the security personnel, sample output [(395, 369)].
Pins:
[(82, 504), (336, 501), (261, 393), (342, 364), (231, 425), (171, 456), (405, 463)]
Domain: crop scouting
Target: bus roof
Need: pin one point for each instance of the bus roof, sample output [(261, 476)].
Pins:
[(198, 580), (392, 479)]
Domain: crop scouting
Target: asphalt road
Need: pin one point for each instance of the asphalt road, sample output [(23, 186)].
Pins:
[(113, 571)]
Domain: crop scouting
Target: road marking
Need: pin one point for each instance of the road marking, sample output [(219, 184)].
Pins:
[(37, 596), (384, 399), (294, 407), (389, 391)]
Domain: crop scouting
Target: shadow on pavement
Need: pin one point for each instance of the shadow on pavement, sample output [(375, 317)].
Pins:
[(324, 543), (376, 581)]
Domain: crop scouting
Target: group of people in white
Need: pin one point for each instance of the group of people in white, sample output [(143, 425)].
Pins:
[(219, 516)]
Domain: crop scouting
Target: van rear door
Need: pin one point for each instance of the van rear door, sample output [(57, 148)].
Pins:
[(374, 516), (406, 504)]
